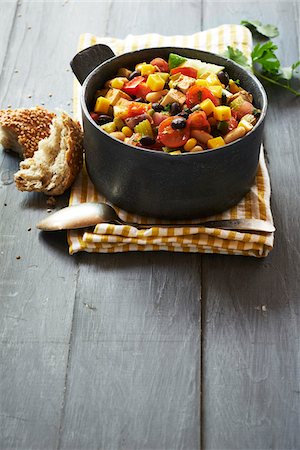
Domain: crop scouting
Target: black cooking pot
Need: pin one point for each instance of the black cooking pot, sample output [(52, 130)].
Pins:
[(154, 183)]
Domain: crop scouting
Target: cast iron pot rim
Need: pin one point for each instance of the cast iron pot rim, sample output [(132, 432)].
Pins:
[(171, 50)]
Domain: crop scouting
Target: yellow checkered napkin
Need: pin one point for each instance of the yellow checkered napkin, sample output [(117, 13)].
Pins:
[(107, 238)]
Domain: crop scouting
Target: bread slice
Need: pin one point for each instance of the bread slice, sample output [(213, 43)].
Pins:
[(22, 129), (54, 166)]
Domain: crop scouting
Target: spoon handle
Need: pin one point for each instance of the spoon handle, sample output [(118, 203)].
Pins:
[(227, 224)]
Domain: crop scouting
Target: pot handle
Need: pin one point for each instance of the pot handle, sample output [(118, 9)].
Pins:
[(85, 61)]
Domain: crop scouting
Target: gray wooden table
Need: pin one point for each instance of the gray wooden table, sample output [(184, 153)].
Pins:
[(179, 351)]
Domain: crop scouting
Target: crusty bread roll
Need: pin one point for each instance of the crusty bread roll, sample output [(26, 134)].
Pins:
[(22, 129), (54, 166)]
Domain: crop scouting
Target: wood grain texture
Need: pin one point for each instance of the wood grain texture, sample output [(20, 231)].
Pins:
[(123, 375), (251, 308), (38, 279), (134, 365)]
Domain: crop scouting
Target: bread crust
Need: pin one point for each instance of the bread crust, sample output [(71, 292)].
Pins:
[(54, 166), (22, 129)]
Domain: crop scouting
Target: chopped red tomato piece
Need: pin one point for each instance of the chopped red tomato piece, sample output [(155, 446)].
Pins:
[(196, 94), (136, 108), (142, 90), (198, 120), (171, 137), (131, 87), (232, 123), (188, 71), (161, 64)]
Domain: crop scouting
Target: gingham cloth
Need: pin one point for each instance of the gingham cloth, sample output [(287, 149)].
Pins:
[(108, 238)]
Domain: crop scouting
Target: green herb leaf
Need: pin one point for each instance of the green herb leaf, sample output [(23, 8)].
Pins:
[(237, 56), (269, 31), (264, 54)]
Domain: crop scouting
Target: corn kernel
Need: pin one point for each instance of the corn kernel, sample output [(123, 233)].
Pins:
[(215, 142), (207, 106), (216, 91), (155, 82), (117, 83), (222, 113), (147, 69), (190, 144), (201, 82), (102, 105), (127, 131), (247, 125), (213, 80)]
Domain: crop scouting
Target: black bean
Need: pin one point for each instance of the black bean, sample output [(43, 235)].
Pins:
[(175, 108), (104, 118), (223, 77), (224, 99), (157, 107), (147, 140), (178, 123), (135, 73)]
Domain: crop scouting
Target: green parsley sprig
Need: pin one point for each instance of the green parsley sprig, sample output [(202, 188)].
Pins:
[(264, 61)]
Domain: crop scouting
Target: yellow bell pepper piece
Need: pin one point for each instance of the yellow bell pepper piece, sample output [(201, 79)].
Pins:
[(213, 80), (102, 105), (222, 113), (207, 106), (118, 82), (233, 87), (216, 90), (155, 82), (147, 69), (215, 142), (139, 66), (201, 82)]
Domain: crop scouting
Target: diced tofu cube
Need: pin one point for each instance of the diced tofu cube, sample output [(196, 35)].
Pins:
[(123, 72), (222, 113), (155, 82), (184, 83), (114, 95), (102, 105), (173, 96), (207, 106), (215, 142)]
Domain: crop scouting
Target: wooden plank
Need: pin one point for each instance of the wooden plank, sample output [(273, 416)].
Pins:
[(134, 366), (251, 311), (151, 351), (8, 11)]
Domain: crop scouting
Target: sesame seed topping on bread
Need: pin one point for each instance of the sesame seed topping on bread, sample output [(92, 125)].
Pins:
[(57, 161), (22, 129)]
